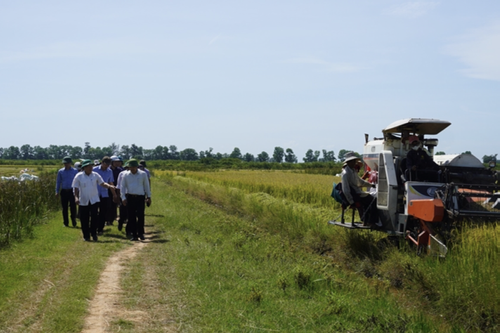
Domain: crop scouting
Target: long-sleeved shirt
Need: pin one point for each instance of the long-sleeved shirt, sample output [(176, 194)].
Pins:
[(65, 179), (107, 176), (87, 186), (137, 184), (352, 182)]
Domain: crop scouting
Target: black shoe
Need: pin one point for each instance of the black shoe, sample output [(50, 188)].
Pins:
[(86, 239), (142, 237), (134, 239), (66, 225), (120, 226), (74, 224), (94, 238)]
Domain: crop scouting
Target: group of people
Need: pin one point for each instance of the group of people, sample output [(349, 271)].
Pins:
[(419, 167), (98, 189)]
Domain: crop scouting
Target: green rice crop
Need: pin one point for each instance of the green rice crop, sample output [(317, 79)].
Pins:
[(24, 204)]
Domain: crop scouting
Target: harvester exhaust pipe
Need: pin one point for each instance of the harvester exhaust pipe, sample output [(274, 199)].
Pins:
[(366, 138)]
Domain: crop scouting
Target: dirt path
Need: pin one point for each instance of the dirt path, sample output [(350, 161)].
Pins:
[(104, 307)]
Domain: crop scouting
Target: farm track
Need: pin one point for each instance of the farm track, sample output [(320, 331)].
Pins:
[(105, 307)]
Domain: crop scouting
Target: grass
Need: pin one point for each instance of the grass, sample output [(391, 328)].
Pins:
[(427, 283), (48, 279), (218, 272), (237, 261)]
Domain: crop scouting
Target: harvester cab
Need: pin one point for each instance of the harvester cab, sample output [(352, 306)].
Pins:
[(424, 206)]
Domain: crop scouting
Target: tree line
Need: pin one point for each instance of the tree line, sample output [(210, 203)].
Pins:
[(279, 155)]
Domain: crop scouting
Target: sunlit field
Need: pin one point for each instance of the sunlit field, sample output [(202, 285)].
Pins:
[(298, 206)]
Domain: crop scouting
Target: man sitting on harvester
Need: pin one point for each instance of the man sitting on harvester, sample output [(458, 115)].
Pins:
[(354, 195), (419, 165)]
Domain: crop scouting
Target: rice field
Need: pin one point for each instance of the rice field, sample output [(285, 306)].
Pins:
[(298, 206), (298, 187)]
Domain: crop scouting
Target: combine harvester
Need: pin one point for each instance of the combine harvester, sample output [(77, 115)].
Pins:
[(424, 212)]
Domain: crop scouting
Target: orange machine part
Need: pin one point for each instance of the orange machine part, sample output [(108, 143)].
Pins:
[(429, 210)]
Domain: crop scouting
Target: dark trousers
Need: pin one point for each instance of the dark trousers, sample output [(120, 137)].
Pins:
[(368, 209), (103, 211), (67, 197), (135, 209), (88, 219)]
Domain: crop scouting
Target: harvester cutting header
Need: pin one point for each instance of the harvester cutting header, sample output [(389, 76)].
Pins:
[(420, 196)]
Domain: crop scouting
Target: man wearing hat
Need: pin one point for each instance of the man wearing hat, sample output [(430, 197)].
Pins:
[(135, 192), (419, 164), (351, 188), (86, 186), (64, 180), (104, 199), (142, 166)]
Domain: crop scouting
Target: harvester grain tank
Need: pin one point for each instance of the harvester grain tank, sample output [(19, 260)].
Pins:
[(419, 209)]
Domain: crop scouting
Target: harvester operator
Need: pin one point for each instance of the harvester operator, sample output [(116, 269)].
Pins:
[(351, 188), (419, 164)]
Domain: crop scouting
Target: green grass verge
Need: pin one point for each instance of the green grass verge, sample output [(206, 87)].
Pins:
[(216, 272), (47, 280)]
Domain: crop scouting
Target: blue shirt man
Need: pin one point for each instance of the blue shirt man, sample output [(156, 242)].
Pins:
[(64, 181), (105, 204)]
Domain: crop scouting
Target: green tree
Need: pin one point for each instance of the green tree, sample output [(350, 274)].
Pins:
[(174, 154), (125, 152), (328, 156), (467, 152), (40, 153), (342, 153), (311, 156), (189, 154), (249, 157), (236, 153), (440, 153), (27, 152), (290, 156), (75, 152), (114, 148), (136, 151), (263, 157), (86, 150), (11, 153), (489, 158), (278, 154)]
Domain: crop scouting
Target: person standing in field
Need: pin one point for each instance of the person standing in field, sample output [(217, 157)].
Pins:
[(123, 210), (107, 176), (135, 193), (64, 180), (86, 184), (116, 168), (142, 166)]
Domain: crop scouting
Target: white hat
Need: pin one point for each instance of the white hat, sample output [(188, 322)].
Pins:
[(350, 156)]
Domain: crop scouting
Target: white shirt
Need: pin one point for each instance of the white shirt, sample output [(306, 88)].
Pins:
[(351, 180), (87, 185), (137, 184)]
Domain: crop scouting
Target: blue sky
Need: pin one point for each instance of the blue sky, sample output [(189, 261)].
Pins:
[(247, 74)]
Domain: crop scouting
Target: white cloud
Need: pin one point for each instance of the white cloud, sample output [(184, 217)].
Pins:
[(328, 66), (479, 51), (412, 9)]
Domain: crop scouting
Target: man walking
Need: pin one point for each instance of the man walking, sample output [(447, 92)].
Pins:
[(86, 186), (64, 180), (107, 176), (135, 192)]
